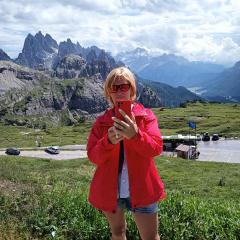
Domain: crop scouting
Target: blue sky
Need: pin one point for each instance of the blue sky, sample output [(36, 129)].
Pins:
[(206, 30)]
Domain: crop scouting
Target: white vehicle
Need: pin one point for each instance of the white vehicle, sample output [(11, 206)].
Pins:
[(52, 150)]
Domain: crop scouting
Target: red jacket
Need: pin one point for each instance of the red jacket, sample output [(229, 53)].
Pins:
[(145, 185)]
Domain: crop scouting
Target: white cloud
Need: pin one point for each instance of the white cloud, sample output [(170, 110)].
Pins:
[(205, 30)]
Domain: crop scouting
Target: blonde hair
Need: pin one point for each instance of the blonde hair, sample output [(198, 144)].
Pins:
[(120, 72)]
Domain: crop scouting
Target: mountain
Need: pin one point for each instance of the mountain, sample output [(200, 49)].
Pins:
[(35, 96), (64, 83), (225, 85), (169, 68), (171, 96), (38, 51), (4, 56), (43, 52)]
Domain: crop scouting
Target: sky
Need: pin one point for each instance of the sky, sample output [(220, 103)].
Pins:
[(202, 30)]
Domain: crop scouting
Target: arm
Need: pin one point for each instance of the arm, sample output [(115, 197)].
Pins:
[(99, 149), (148, 141)]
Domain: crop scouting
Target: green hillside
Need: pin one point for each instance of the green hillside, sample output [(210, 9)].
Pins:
[(223, 119)]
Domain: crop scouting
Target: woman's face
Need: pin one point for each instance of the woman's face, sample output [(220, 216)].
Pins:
[(121, 90)]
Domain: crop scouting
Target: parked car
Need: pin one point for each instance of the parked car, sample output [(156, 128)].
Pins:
[(215, 137), (206, 137), (198, 136), (12, 151), (52, 150)]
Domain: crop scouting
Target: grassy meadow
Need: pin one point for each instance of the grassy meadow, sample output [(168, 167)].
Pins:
[(47, 199), (25, 137), (218, 118)]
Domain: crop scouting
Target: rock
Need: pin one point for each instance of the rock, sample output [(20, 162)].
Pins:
[(38, 51), (4, 56)]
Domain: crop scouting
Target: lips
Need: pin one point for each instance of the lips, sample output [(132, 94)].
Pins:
[(120, 97)]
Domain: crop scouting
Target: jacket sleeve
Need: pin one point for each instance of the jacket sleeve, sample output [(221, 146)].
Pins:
[(99, 149), (148, 141)]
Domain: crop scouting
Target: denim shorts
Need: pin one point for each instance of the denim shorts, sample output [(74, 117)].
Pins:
[(124, 203)]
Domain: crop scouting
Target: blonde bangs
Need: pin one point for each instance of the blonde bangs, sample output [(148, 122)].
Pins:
[(121, 72)]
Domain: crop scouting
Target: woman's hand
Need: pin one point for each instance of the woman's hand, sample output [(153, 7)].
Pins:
[(127, 129), (113, 136)]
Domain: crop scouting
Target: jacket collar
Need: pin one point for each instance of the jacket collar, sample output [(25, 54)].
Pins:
[(139, 110)]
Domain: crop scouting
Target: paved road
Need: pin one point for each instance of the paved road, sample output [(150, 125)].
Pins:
[(63, 155), (220, 151)]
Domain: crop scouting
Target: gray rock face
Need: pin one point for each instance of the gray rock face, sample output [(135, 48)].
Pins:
[(90, 98), (38, 51), (4, 56), (74, 66), (71, 66), (68, 47), (29, 92), (147, 96), (13, 76)]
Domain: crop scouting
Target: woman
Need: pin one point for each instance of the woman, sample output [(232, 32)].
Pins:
[(123, 151)]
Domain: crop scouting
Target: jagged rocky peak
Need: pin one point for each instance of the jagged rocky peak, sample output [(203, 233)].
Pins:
[(51, 41), (147, 96), (92, 55), (96, 50), (46, 42), (71, 66), (4, 56), (38, 51), (72, 62), (68, 47)]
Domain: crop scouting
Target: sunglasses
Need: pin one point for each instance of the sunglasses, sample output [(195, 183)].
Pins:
[(122, 87)]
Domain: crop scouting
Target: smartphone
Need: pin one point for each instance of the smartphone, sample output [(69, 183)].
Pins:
[(125, 105)]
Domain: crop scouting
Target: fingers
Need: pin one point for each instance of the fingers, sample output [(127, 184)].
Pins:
[(111, 130), (126, 117), (120, 123), (114, 136), (120, 126)]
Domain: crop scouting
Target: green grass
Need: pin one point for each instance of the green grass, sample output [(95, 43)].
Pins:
[(40, 197), (26, 137), (211, 117)]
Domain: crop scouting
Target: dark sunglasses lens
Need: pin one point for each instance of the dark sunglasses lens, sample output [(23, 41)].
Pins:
[(114, 88), (124, 87)]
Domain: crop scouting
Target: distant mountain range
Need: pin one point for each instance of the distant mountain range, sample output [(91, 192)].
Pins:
[(211, 81), (67, 78), (169, 68), (226, 84)]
